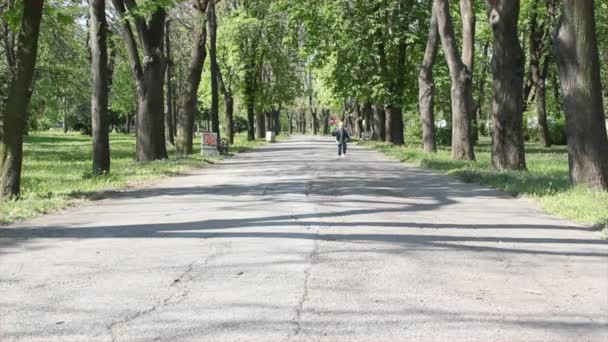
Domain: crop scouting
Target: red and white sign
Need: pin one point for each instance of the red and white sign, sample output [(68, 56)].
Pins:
[(333, 121), (209, 139)]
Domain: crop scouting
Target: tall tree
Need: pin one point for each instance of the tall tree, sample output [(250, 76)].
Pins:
[(541, 24), (226, 90), (508, 72), (426, 86), (14, 114), (185, 122), (148, 72), (169, 112), (576, 52), (212, 22), (100, 123), (462, 86)]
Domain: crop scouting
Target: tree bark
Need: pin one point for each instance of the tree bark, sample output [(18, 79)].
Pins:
[(169, 113), (226, 92), (260, 125), (426, 86), (508, 72), (149, 75), (379, 122), (479, 116), (462, 87), (394, 125), (368, 114), (15, 106), (187, 112), (212, 22), (576, 52), (98, 28), (538, 73)]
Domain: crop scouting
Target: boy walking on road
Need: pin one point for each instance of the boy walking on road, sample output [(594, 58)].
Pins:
[(342, 138)]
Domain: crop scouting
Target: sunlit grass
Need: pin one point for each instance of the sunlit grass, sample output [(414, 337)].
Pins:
[(57, 171), (545, 181)]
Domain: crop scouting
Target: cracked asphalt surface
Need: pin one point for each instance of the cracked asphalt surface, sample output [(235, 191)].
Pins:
[(288, 243)]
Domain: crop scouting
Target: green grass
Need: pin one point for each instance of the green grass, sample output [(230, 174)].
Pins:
[(57, 171), (546, 180)]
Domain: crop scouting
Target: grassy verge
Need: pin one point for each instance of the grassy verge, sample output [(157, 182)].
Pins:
[(546, 180), (57, 171)]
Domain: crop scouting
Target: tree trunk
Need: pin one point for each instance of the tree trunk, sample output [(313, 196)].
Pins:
[(388, 128), (277, 122), (538, 73), (576, 52), (379, 122), (462, 87), (151, 143), (98, 45), (481, 121), (169, 137), (15, 106), (250, 99), (426, 86), (394, 129), (187, 112), (368, 115), (149, 75), (260, 125), (212, 21), (508, 72)]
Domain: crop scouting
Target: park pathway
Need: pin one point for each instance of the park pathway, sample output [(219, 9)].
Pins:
[(288, 243)]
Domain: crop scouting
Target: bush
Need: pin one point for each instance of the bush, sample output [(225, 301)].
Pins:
[(413, 128), (240, 124), (444, 135), (557, 131)]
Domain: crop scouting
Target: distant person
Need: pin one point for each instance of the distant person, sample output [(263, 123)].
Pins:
[(342, 138)]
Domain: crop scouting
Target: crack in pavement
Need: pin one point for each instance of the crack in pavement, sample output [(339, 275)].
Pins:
[(183, 283), (312, 257)]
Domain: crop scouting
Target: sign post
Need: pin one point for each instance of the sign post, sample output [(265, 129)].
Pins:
[(210, 143)]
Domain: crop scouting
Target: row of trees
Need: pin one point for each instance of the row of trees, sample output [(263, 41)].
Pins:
[(362, 52), (162, 67), (399, 70)]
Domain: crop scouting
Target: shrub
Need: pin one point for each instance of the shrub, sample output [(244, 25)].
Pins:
[(240, 124)]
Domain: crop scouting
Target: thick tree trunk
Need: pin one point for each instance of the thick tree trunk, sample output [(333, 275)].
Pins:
[(98, 45), (149, 75), (368, 116), (462, 144), (212, 21), (277, 121), (379, 122), (426, 88), (187, 112), (169, 113), (260, 125), (15, 106), (394, 115), (576, 52), (508, 72), (151, 143)]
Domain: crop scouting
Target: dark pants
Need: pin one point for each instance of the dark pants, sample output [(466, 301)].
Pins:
[(342, 149)]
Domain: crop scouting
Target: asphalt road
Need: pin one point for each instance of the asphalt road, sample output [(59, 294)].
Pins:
[(288, 243)]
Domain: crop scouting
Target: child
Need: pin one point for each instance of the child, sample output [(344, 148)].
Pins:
[(342, 138)]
